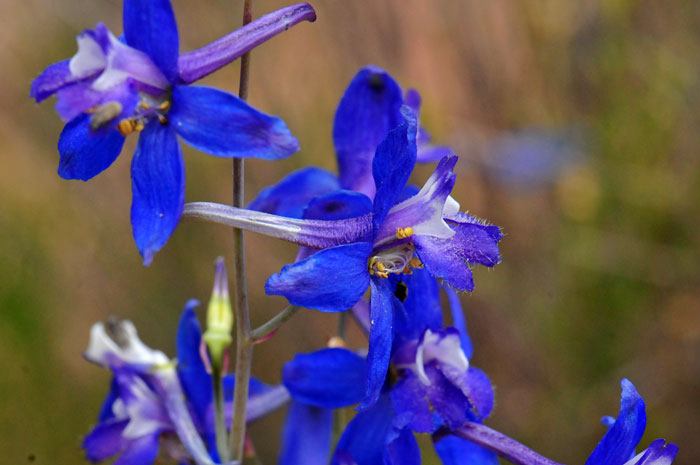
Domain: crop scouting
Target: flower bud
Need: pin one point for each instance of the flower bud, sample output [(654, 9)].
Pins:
[(219, 316)]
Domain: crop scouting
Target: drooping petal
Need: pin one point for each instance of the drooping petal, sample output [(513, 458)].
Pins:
[(453, 450), (393, 164), (150, 26), (140, 451), (105, 440), (436, 256), (195, 380), (306, 438), (50, 80), (332, 280), (84, 153), (402, 450), (383, 304), (291, 195), (221, 124), (196, 64), (410, 402), (158, 185), (364, 439), (447, 399), (476, 387), (369, 109), (329, 378), (459, 321), (619, 442)]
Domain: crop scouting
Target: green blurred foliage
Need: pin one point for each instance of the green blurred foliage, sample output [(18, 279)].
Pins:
[(601, 267)]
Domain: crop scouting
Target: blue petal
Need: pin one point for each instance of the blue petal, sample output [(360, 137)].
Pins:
[(140, 451), (619, 442), (291, 195), (457, 451), (367, 112), (106, 412), (383, 304), (84, 153), (221, 124), (306, 438), (150, 26), (392, 165), (338, 205), (403, 450), (658, 453), (408, 397), (459, 321), (476, 386), (50, 80), (158, 185), (447, 399), (332, 280), (196, 382), (105, 440), (421, 308), (364, 439), (327, 378)]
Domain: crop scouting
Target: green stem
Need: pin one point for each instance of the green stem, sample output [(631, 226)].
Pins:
[(220, 418), (259, 333), (244, 346)]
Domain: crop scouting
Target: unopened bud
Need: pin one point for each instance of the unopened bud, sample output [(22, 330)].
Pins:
[(219, 316)]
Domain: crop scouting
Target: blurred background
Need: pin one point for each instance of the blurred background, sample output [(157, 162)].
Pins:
[(577, 126)]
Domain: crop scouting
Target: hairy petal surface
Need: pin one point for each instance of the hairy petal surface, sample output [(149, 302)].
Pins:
[(222, 124), (158, 186), (332, 280)]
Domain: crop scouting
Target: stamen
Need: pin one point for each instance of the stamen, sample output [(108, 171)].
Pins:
[(104, 114), (162, 119), (165, 106), (144, 106), (403, 233), (415, 263), (126, 127)]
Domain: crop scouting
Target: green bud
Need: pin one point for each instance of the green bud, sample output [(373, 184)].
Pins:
[(219, 316)]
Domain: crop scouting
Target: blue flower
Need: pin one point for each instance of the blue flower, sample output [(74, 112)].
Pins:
[(112, 88), (618, 445), (156, 401), (431, 387)]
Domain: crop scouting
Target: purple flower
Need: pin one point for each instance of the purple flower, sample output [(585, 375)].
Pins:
[(112, 88), (618, 445), (431, 387), (154, 400)]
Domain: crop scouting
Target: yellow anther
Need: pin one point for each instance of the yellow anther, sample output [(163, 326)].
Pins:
[(383, 274), (126, 127), (165, 105), (407, 270), (380, 267), (138, 126), (162, 119), (144, 106), (403, 233), (415, 263)]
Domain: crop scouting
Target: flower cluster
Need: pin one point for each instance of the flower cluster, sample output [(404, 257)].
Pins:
[(371, 245)]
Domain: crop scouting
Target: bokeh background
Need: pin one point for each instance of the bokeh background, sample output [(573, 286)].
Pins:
[(577, 124)]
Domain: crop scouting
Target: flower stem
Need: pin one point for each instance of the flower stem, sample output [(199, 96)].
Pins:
[(220, 419), (499, 443), (273, 324), (244, 346)]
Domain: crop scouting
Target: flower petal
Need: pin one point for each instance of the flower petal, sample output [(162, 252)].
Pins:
[(619, 442), (326, 378), (196, 64), (658, 453), (291, 195), (410, 402), (421, 308), (459, 321), (364, 439), (369, 109), (403, 450), (221, 124), (393, 164), (84, 153), (338, 205), (306, 438), (150, 26), (447, 399), (50, 80), (457, 451), (438, 257), (140, 451), (196, 382), (105, 440), (332, 280), (383, 304), (158, 185)]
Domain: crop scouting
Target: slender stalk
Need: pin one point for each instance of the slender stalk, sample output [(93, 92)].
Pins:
[(499, 443), (273, 324), (244, 347), (220, 418)]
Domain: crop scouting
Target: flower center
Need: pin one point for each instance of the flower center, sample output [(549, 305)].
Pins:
[(397, 260), (147, 108)]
